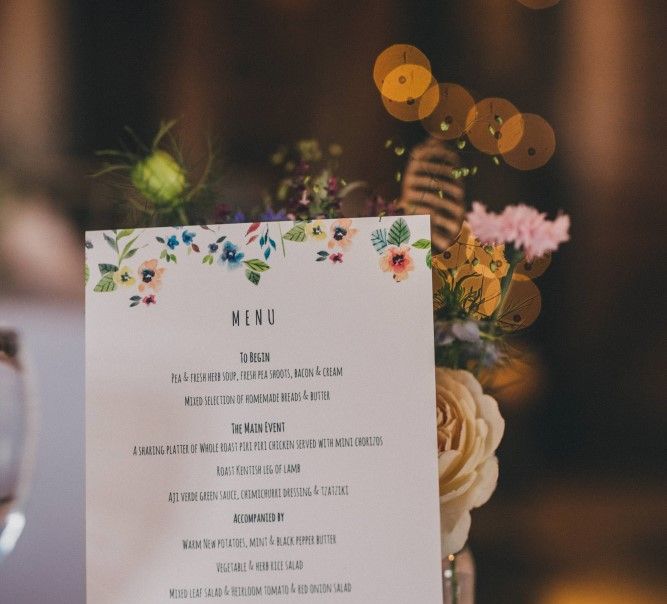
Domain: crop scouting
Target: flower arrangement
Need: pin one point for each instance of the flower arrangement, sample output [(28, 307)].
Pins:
[(483, 283)]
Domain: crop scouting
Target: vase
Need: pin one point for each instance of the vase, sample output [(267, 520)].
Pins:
[(458, 578)]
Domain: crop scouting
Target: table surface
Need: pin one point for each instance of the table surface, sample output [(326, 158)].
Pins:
[(48, 563)]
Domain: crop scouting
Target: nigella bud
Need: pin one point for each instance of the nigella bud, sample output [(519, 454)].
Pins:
[(159, 178)]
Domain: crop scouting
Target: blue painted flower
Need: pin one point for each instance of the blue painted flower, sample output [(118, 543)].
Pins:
[(213, 247), (188, 236), (231, 255), (270, 216), (172, 242)]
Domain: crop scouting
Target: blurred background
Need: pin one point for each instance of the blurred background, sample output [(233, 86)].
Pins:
[(580, 515)]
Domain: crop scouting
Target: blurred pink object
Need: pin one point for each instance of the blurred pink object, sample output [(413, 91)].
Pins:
[(39, 249), (521, 225)]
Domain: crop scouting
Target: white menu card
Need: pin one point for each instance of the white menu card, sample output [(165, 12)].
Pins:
[(260, 420)]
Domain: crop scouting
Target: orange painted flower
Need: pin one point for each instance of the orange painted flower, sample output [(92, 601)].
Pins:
[(341, 233), (398, 261), (151, 276)]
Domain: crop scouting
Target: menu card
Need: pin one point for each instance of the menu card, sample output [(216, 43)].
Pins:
[(260, 421)]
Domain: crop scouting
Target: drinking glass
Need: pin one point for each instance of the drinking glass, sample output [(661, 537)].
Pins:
[(17, 438)]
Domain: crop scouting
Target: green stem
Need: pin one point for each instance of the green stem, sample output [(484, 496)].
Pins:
[(455, 581), (182, 216), (282, 242), (515, 256)]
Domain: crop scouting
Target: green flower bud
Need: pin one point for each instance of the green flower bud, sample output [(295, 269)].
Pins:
[(160, 178)]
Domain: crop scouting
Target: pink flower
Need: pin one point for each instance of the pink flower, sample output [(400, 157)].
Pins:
[(397, 260), (341, 233), (522, 226), (336, 258), (148, 300), (485, 225)]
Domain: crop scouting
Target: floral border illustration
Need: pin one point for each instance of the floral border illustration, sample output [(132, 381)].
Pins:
[(334, 238)]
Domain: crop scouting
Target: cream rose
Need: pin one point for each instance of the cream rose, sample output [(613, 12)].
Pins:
[(470, 428)]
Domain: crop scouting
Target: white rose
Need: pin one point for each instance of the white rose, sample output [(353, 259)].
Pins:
[(470, 428)]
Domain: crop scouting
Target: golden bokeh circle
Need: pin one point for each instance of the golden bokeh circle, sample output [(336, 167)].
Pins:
[(396, 56), (522, 305), (408, 110), (534, 268), (527, 141), (458, 253), (451, 114), (484, 121), (538, 4), (406, 82)]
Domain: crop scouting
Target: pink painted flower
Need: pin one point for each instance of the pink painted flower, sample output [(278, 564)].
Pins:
[(336, 258), (397, 260), (151, 276), (522, 226), (341, 233), (148, 300)]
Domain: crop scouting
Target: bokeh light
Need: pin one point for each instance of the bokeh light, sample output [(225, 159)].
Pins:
[(406, 82), (526, 141), (534, 268), (447, 120), (484, 121), (409, 109), (394, 57), (522, 305)]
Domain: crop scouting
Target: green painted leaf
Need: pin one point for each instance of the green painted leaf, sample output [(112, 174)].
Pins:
[(205, 259), (399, 233), (174, 259), (221, 239), (163, 255), (252, 276), (160, 239), (111, 241), (106, 283), (124, 233), (379, 240), (86, 273), (257, 265), (127, 247), (107, 268), (210, 260), (429, 260), (131, 253), (296, 233), (323, 254), (135, 298), (422, 244)]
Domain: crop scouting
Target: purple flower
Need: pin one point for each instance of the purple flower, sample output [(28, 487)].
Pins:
[(238, 217), (212, 247), (270, 216)]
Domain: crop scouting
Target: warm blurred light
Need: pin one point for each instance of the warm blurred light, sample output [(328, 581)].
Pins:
[(394, 57), (522, 305), (408, 111), (534, 268), (406, 82), (448, 119), (605, 590), (526, 141), (517, 382), (537, 4), (484, 121)]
